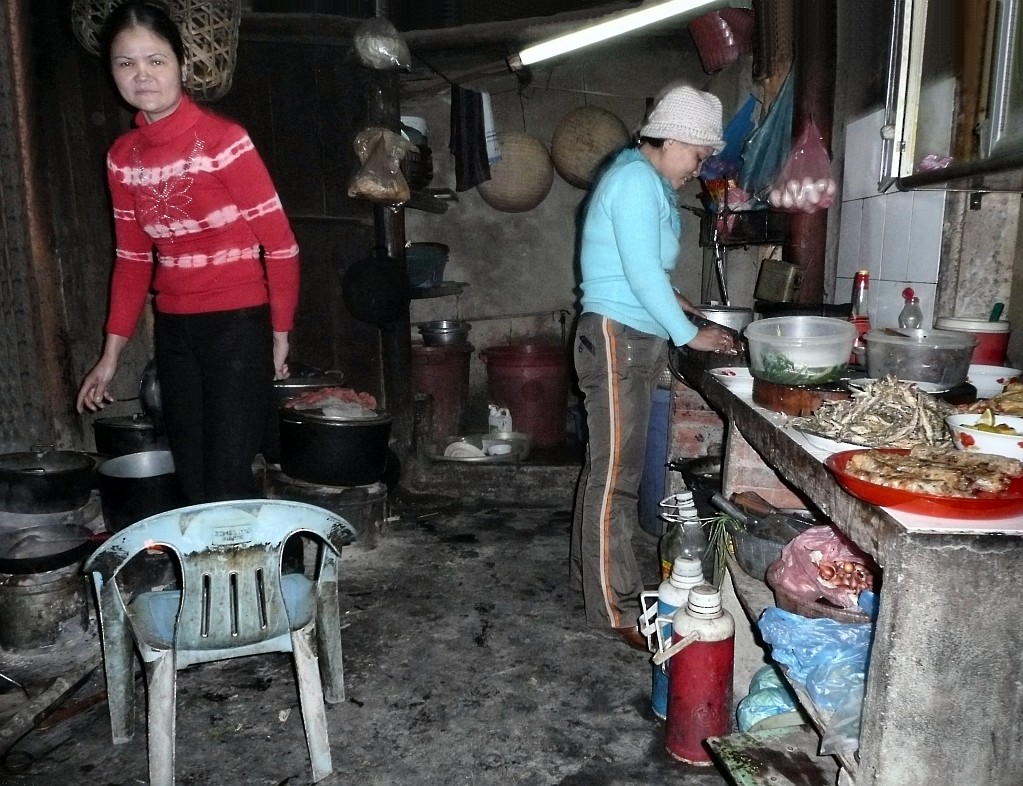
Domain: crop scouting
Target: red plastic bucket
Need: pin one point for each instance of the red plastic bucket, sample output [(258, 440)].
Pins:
[(443, 373), (531, 380), (992, 337)]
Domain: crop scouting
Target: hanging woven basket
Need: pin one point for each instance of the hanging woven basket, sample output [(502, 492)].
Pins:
[(583, 141), (522, 178), (209, 30)]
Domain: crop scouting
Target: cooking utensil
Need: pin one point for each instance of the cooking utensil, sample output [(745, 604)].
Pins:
[(333, 451), (45, 480), (799, 350), (149, 392), (941, 356), (45, 547), (444, 332), (123, 434), (138, 485)]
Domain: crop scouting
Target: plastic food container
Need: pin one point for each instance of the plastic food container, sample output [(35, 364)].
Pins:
[(941, 356), (800, 350)]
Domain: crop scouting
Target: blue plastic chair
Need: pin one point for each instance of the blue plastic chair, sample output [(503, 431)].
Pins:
[(234, 602)]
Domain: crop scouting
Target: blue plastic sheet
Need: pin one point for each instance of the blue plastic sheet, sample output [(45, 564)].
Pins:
[(727, 163), (829, 658), (769, 695)]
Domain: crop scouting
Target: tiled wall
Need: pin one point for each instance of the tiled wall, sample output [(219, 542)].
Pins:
[(896, 235)]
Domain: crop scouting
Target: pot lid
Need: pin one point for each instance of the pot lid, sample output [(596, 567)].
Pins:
[(46, 462)]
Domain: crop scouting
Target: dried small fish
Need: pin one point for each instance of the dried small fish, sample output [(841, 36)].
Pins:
[(886, 413)]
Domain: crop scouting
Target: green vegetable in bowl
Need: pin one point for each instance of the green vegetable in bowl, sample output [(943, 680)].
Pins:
[(782, 371)]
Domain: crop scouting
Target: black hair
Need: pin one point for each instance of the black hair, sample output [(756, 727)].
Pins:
[(153, 16), (653, 141)]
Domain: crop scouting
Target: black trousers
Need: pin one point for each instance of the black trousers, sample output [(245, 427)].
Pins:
[(216, 379)]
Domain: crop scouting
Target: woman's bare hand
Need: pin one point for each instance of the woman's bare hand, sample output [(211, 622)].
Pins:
[(281, 347), (95, 393), (714, 339)]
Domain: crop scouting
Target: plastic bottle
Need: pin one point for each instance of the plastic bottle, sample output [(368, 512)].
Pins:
[(700, 676), (911, 316), (685, 536), (671, 595), (859, 316), (499, 419)]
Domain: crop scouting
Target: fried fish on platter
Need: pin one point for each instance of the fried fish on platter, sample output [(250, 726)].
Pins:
[(937, 471), (1008, 402)]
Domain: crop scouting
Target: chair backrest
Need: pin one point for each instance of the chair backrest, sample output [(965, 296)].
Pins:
[(230, 558)]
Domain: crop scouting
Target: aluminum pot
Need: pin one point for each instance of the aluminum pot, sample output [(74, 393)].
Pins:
[(45, 481), (123, 434), (138, 485), (444, 332), (734, 317), (333, 451)]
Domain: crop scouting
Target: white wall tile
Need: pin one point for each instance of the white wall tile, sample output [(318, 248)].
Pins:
[(849, 241), (843, 289), (925, 236), (862, 156), (872, 234), (895, 248)]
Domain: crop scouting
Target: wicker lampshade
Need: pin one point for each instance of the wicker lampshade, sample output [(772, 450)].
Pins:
[(522, 178), (209, 30), (582, 142)]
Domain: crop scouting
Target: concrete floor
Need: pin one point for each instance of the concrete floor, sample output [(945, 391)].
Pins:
[(467, 661)]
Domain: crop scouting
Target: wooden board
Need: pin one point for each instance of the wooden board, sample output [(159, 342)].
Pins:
[(775, 757)]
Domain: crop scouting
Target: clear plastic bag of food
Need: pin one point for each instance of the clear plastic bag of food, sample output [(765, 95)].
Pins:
[(805, 184), (380, 178), (823, 563)]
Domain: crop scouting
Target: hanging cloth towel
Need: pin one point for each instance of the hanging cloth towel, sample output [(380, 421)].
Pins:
[(468, 143), (490, 131)]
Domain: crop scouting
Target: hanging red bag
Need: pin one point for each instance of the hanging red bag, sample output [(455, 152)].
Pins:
[(805, 184)]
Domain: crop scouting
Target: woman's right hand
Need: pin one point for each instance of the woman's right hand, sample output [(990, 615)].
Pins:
[(94, 393), (713, 338)]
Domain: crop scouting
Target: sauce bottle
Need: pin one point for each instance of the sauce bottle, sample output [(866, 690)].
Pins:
[(858, 316), (911, 316)]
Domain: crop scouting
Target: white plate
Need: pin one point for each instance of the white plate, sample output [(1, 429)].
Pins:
[(824, 443), (735, 378), (463, 450), (926, 387)]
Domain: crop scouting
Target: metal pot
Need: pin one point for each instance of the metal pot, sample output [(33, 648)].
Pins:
[(331, 451), (44, 547), (149, 392), (138, 485), (285, 390), (45, 481), (444, 332), (118, 436), (734, 317)]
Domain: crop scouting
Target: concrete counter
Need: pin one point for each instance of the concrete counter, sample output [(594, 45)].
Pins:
[(944, 701)]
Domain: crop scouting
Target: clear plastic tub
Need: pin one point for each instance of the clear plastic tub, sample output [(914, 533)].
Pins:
[(799, 350), (940, 356)]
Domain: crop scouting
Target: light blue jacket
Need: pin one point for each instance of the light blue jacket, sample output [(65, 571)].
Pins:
[(630, 244)]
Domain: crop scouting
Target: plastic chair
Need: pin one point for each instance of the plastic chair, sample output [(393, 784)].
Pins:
[(234, 602)]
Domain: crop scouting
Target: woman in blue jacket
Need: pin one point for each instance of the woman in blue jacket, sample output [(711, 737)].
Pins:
[(630, 245)]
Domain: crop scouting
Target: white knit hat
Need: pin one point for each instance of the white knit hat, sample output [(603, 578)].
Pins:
[(688, 115)]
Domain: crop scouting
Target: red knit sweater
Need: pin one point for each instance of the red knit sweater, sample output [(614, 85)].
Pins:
[(194, 186)]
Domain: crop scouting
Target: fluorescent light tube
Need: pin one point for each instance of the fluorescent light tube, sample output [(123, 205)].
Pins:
[(626, 23)]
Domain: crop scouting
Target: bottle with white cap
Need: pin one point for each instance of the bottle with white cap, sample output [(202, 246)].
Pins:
[(671, 595), (699, 676)]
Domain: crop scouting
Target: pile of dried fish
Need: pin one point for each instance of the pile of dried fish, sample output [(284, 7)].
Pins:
[(885, 413)]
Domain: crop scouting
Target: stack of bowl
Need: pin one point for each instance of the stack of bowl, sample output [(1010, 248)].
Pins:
[(444, 332)]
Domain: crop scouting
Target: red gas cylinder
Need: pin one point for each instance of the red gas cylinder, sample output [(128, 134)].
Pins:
[(699, 676)]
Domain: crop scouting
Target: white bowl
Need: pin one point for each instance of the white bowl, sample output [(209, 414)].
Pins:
[(991, 380), (737, 378), (971, 439)]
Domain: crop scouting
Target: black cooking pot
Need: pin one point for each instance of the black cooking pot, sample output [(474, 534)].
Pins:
[(118, 436), (138, 485), (285, 390), (44, 547), (46, 481), (332, 451)]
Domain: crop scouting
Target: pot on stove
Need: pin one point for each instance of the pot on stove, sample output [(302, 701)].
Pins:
[(44, 480)]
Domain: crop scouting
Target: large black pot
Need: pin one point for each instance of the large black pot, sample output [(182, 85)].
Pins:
[(48, 481), (123, 434), (285, 390), (138, 485), (331, 451)]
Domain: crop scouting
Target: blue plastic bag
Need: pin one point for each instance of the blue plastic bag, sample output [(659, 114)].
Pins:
[(769, 695), (769, 145), (727, 163), (829, 658)]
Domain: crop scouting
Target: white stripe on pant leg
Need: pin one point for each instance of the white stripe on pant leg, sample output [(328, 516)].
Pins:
[(612, 468)]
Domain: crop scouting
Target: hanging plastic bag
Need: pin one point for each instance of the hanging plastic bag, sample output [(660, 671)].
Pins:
[(379, 45), (805, 184), (726, 164), (380, 179), (822, 563), (768, 145)]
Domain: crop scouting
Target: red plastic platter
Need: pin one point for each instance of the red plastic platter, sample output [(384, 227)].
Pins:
[(986, 506)]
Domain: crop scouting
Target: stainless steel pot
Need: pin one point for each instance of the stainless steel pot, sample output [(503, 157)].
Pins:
[(734, 317), (138, 485)]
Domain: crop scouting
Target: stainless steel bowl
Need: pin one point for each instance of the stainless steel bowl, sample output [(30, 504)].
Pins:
[(444, 332)]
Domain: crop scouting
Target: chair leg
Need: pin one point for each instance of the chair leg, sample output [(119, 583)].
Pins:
[(328, 639), (119, 670), (310, 696), (161, 678)]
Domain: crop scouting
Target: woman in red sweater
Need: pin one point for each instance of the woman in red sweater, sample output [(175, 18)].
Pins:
[(192, 198)]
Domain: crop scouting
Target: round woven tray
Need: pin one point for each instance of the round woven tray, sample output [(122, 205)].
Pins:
[(522, 178), (583, 141), (209, 30)]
